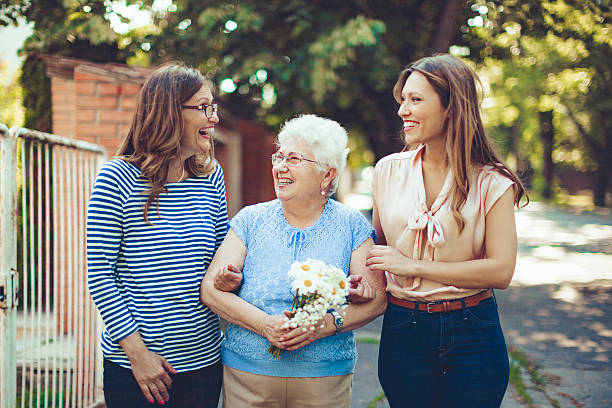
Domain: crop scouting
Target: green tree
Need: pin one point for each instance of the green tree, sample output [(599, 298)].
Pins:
[(11, 109), (553, 56), (72, 28), (334, 58)]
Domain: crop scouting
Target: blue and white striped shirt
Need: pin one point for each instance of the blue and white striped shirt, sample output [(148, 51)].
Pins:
[(146, 278)]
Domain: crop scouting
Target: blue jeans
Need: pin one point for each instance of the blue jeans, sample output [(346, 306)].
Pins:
[(199, 388), (452, 359)]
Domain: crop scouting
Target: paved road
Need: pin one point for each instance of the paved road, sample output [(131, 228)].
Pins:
[(556, 310)]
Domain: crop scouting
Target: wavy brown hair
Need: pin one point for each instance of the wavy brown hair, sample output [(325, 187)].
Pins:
[(467, 144), (155, 134)]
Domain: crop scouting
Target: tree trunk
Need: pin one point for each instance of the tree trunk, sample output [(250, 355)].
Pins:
[(601, 181), (604, 169), (523, 166), (447, 27), (547, 137)]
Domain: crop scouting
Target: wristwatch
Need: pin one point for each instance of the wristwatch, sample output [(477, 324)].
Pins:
[(337, 320)]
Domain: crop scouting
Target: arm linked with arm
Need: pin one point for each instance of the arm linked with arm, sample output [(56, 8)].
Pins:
[(354, 315), (227, 304), (359, 314), (493, 271)]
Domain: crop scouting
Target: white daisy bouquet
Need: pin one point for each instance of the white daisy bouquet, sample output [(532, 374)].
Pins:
[(318, 288)]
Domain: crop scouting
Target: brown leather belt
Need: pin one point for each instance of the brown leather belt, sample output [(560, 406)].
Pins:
[(443, 305)]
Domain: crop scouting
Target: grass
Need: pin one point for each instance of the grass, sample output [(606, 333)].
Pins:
[(60, 400), (516, 379), (519, 362), (368, 340), (376, 400)]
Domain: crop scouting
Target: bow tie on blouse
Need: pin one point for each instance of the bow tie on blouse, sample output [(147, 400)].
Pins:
[(296, 241), (424, 218)]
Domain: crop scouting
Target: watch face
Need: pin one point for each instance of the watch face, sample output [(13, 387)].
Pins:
[(337, 321)]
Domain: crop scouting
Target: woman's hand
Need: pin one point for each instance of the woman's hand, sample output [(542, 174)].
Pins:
[(360, 290), (151, 373), (149, 369), (228, 279), (302, 336), (390, 259), (274, 328)]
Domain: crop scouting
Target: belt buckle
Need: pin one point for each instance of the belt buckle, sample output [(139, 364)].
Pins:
[(428, 307)]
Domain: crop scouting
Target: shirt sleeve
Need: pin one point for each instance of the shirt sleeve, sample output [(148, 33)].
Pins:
[(240, 224), (361, 228), (221, 224), (104, 234), (493, 186)]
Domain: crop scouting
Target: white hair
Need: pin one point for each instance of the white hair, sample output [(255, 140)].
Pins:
[(326, 138)]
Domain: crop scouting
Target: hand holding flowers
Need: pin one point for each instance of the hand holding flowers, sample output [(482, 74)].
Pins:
[(274, 328), (318, 288)]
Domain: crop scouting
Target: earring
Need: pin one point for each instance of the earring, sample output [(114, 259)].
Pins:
[(322, 192)]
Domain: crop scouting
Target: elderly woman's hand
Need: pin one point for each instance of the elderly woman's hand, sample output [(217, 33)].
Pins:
[(303, 336), (360, 290), (228, 279), (274, 328)]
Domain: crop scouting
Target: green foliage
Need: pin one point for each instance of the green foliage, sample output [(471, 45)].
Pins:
[(11, 109), (374, 402), (549, 55), (519, 363), (338, 59), (73, 28), (36, 95)]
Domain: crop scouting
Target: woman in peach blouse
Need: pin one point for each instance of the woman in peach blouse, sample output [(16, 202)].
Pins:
[(444, 215)]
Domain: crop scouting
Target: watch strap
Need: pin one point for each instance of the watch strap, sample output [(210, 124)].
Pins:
[(338, 322)]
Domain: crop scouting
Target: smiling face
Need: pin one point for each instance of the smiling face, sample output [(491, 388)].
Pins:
[(422, 111), (197, 128), (301, 182)]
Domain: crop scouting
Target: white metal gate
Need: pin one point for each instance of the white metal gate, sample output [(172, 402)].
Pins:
[(49, 327)]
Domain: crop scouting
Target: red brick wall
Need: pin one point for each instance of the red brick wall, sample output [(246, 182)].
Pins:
[(93, 108), (104, 109), (63, 106), (257, 147)]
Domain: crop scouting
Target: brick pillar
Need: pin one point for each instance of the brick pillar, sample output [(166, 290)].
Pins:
[(103, 109), (63, 106)]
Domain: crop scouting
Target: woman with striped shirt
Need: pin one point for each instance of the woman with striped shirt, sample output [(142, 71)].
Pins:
[(156, 216)]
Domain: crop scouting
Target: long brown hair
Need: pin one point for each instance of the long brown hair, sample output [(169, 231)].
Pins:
[(467, 144), (155, 134)]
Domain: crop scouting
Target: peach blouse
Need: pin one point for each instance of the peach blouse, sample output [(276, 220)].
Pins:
[(431, 233)]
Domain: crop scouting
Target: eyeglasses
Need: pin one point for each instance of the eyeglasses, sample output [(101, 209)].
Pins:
[(208, 110), (293, 159)]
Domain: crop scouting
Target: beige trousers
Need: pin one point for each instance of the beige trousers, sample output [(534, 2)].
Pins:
[(242, 390)]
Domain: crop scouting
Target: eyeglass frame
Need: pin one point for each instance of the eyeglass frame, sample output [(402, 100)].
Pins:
[(284, 158), (202, 108)]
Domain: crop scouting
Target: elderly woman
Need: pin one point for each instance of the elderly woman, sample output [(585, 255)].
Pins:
[(315, 369)]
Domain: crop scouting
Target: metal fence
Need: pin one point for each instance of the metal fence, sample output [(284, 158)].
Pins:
[(49, 327)]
